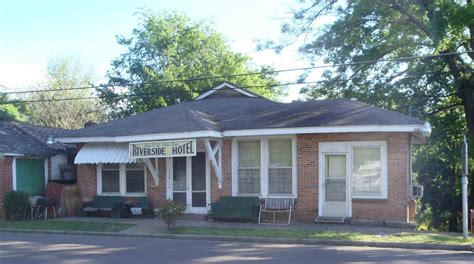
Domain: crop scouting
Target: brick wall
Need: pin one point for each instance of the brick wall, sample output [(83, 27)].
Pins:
[(226, 172), (87, 181), (6, 181), (393, 208)]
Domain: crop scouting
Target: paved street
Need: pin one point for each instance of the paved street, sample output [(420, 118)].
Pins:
[(48, 248)]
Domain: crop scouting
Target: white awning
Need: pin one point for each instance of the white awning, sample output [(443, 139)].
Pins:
[(103, 153)]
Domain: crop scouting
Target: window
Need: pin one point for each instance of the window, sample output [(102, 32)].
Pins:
[(280, 167), (264, 167), (249, 167), (135, 178), (121, 179), (366, 172), (110, 178)]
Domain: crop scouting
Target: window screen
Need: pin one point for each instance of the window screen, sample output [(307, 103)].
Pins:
[(280, 167), (110, 178), (249, 167), (366, 172), (135, 178)]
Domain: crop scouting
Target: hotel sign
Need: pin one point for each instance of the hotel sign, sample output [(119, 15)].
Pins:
[(160, 149)]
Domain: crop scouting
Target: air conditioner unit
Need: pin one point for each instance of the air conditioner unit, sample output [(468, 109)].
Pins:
[(417, 191)]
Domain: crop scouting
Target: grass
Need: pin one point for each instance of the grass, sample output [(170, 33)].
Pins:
[(65, 226), (324, 235)]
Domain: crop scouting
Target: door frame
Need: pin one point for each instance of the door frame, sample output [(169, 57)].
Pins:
[(333, 148), (169, 184)]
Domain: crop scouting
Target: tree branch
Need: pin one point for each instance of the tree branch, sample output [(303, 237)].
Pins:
[(393, 4), (442, 109)]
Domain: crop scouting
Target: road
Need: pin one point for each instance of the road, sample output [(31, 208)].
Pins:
[(52, 248)]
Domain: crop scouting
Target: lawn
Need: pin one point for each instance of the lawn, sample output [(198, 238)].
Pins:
[(324, 235), (65, 226)]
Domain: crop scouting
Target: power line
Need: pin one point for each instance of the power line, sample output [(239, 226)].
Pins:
[(156, 92), (197, 78)]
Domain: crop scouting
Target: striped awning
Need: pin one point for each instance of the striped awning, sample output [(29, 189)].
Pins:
[(93, 153)]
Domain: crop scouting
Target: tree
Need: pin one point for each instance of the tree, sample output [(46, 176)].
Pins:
[(440, 88), (166, 47), (10, 112), (63, 73)]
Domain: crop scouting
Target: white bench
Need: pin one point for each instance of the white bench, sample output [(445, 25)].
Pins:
[(276, 206)]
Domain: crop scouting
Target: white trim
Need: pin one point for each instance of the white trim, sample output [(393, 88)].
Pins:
[(122, 182), (189, 190), (318, 130), (382, 145), (264, 166), (162, 136), (46, 172), (348, 148), (14, 181), (321, 179), (169, 178), (11, 155), (222, 85), (251, 133)]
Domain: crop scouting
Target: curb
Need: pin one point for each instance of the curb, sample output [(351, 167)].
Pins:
[(300, 241)]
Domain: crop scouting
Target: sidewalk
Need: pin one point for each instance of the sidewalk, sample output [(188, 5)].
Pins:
[(157, 226)]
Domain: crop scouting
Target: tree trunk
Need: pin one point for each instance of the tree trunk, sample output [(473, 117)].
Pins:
[(467, 96)]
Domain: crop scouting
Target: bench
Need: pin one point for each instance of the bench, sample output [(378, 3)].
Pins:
[(276, 206), (242, 208), (103, 203)]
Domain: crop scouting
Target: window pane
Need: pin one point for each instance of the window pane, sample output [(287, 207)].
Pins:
[(249, 154), (110, 181), (366, 176), (279, 181), (335, 167), (280, 153), (249, 181), (135, 181), (179, 174)]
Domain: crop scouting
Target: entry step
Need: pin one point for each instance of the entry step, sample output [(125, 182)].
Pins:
[(194, 217), (329, 220)]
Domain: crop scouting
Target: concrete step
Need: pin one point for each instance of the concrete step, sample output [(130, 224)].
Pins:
[(194, 217), (329, 220)]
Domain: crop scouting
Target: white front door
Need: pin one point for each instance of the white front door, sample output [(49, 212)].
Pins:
[(188, 182), (335, 169)]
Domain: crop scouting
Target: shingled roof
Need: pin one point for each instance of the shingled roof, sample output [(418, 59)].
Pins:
[(28, 140), (230, 108)]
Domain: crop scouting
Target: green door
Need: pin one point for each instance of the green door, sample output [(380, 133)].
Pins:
[(30, 176)]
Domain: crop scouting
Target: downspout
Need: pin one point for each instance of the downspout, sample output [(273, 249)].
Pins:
[(410, 163)]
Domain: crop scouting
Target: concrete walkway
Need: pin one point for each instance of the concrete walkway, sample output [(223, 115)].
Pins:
[(157, 226)]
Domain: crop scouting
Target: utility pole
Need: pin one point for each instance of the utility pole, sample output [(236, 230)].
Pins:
[(465, 160)]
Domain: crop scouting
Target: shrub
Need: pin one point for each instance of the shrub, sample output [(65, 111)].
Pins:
[(16, 204), (170, 211)]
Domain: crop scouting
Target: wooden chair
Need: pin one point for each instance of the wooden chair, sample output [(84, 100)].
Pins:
[(276, 206)]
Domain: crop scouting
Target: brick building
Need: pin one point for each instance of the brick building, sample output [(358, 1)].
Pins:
[(337, 158), (27, 162)]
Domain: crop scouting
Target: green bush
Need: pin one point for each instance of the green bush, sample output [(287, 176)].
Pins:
[(170, 211), (15, 204)]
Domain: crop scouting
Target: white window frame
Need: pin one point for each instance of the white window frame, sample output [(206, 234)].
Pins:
[(264, 166), (122, 182), (382, 145)]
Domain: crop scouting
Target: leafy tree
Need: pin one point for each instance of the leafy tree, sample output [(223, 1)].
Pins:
[(441, 89), (63, 73), (167, 47), (10, 112)]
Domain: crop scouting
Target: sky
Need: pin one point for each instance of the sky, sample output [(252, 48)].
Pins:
[(31, 31)]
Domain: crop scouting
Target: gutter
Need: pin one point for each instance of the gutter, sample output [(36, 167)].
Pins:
[(423, 131)]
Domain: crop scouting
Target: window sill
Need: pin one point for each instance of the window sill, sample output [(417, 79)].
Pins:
[(123, 195), (369, 200)]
